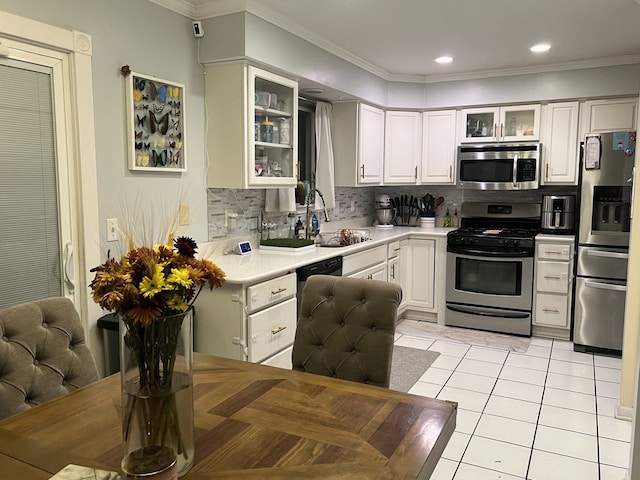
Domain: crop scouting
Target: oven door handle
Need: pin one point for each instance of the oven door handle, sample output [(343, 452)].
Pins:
[(484, 253), (483, 313)]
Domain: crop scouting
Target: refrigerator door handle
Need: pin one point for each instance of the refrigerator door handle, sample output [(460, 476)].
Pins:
[(606, 254), (605, 286)]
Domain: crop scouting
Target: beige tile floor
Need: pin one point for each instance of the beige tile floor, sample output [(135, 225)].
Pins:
[(528, 408)]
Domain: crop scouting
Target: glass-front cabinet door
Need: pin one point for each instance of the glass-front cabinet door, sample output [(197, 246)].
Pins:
[(252, 127), (479, 124), (272, 104), (500, 124), (520, 123)]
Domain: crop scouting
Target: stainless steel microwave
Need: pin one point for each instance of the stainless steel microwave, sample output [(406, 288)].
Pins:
[(499, 166)]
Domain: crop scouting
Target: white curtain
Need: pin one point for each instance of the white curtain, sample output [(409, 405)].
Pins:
[(324, 156)]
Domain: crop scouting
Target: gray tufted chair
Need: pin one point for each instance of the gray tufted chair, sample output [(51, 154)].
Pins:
[(42, 354), (346, 328)]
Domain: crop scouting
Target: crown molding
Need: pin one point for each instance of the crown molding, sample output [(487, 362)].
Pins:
[(179, 6), (225, 7), (506, 72)]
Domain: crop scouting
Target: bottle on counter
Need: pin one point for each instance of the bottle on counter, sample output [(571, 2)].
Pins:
[(299, 231), (448, 221)]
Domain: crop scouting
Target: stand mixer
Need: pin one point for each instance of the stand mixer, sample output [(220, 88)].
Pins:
[(385, 213)]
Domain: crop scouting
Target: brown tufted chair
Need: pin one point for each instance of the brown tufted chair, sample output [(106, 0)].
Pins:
[(42, 354), (346, 328)]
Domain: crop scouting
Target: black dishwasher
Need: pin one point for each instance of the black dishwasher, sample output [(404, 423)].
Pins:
[(330, 266)]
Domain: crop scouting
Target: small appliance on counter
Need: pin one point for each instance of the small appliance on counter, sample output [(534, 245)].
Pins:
[(385, 213), (559, 214)]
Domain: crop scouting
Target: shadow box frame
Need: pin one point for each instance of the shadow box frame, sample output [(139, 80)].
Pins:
[(155, 124)]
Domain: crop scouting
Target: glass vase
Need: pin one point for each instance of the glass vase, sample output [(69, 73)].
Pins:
[(156, 369)]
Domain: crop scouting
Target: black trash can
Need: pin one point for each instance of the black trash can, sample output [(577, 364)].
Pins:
[(110, 342)]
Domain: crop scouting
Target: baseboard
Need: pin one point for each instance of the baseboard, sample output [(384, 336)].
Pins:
[(624, 413)]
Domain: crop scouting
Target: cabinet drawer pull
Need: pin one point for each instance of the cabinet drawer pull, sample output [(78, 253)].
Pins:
[(370, 277), (415, 175), (393, 271), (276, 292), (396, 249), (555, 252), (362, 168), (551, 310), (552, 277), (278, 329), (546, 176), (450, 172)]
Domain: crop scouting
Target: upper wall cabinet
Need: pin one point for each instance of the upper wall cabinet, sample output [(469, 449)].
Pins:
[(402, 154), (500, 124), (438, 147), (358, 144), (251, 127), (613, 115), (560, 143)]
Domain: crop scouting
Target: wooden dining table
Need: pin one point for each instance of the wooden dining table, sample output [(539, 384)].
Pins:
[(252, 422)]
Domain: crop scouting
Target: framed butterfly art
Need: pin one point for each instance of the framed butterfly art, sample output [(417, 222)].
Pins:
[(155, 124)]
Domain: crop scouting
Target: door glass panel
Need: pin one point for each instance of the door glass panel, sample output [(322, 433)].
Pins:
[(489, 277), (480, 124), (30, 260), (486, 170), (519, 123)]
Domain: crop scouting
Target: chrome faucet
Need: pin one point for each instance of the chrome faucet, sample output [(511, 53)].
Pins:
[(308, 215)]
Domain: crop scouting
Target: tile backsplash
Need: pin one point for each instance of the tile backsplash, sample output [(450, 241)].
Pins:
[(236, 213)]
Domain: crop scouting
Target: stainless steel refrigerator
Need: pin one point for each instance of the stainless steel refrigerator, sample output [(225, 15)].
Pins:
[(603, 241)]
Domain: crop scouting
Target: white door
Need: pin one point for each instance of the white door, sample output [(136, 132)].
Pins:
[(36, 258)]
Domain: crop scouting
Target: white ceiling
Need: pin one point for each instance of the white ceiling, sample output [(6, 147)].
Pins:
[(399, 39)]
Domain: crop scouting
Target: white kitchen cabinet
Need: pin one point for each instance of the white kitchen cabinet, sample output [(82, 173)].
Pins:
[(560, 143), (370, 264), (553, 282), (438, 147), (251, 127), (507, 123), (247, 322), (358, 144), (421, 274), (609, 115), (402, 144)]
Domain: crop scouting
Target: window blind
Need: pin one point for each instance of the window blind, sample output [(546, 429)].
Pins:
[(30, 254)]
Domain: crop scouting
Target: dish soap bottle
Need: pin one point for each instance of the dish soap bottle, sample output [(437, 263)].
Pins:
[(299, 232), (447, 219)]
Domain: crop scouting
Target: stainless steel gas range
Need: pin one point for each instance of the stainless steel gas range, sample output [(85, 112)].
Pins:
[(490, 267)]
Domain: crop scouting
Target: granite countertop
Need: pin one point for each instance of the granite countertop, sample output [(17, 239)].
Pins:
[(260, 265)]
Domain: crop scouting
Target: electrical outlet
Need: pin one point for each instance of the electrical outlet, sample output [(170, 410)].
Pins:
[(231, 219), (112, 230), (184, 215)]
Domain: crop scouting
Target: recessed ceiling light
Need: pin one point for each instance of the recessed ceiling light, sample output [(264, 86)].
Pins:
[(541, 47), (312, 91), (444, 59)]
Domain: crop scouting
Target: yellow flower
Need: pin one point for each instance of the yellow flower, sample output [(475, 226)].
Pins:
[(154, 285), (179, 276), (176, 302)]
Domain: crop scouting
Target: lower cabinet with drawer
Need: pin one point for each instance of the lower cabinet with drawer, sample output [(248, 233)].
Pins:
[(553, 282), (370, 264), (247, 322)]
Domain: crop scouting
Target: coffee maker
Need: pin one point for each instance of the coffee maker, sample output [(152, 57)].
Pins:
[(559, 214)]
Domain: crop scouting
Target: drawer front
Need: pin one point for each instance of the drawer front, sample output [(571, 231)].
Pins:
[(272, 329), (361, 260), (551, 251), (270, 292), (377, 272), (552, 310), (393, 249), (553, 277)]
